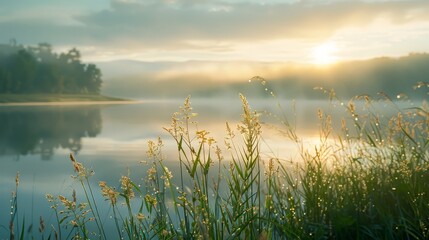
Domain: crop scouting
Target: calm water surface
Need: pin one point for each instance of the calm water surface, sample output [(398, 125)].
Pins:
[(112, 140)]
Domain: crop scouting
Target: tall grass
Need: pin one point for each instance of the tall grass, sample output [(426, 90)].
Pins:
[(365, 179)]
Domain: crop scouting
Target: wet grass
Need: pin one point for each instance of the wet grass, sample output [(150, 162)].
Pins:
[(365, 179)]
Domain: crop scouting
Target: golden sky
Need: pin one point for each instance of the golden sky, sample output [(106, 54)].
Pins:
[(306, 31)]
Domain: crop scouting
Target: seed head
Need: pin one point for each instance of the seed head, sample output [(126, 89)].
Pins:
[(126, 186), (17, 179)]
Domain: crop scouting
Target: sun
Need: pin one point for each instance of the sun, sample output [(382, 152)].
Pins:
[(325, 54)]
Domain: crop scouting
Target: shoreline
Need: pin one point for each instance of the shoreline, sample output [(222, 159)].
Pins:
[(68, 103)]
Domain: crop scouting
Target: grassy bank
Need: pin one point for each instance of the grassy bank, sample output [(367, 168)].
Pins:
[(367, 179), (23, 98)]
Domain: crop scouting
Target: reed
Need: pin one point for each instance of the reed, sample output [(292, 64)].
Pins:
[(368, 179)]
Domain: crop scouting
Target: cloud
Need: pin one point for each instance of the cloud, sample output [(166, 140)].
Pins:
[(211, 25), (182, 22)]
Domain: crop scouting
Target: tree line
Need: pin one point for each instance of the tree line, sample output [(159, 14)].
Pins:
[(37, 69)]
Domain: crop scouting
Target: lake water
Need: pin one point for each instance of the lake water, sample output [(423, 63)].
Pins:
[(112, 140)]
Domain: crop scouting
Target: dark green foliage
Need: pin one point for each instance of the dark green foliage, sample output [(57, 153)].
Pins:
[(40, 70)]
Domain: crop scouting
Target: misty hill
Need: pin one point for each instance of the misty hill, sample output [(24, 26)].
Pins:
[(221, 79), (390, 76)]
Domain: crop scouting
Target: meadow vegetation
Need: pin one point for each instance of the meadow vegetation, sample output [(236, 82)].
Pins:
[(365, 179)]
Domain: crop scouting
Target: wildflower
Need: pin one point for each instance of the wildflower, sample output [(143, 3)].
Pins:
[(167, 177), (174, 125), (399, 121), (230, 133), (72, 158), (367, 99), (186, 109), (151, 149), (73, 223), (154, 149), (112, 196), (140, 217), (271, 166), (78, 167), (126, 186), (202, 136), (151, 172), (181, 198), (250, 119), (108, 192), (102, 184), (151, 200), (218, 153), (82, 206), (49, 197), (67, 203), (211, 141), (352, 107), (62, 199)]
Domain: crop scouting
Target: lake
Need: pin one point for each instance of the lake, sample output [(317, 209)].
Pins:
[(112, 140)]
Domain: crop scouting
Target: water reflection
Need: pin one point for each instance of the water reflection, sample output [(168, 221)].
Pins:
[(31, 133), (41, 130)]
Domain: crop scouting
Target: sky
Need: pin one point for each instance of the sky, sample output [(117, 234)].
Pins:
[(306, 31)]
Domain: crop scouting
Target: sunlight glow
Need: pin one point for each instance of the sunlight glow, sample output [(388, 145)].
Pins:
[(325, 54)]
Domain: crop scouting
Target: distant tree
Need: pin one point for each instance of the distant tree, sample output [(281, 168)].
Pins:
[(93, 78), (39, 69), (22, 67), (48, 79), (43, 53)]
